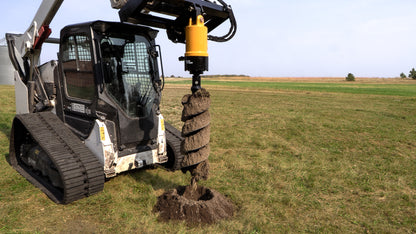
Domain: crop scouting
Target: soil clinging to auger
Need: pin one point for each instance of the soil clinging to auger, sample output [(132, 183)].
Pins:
[(194, 205), (196, 123), (199, 171), (196, 130), (193, 158), (195, 104), (197, 140)]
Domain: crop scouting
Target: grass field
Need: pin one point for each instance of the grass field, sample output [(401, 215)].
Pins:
[(325, 156)]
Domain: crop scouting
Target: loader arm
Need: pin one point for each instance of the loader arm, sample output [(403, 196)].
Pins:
[(25, 49), (173, 15)]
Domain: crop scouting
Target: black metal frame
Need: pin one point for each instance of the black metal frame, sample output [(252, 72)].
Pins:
[(138, 12)]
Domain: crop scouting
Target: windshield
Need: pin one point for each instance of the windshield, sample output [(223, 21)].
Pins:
[(128, 77)]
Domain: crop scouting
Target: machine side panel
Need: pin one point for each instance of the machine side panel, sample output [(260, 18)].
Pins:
[(21, 93)]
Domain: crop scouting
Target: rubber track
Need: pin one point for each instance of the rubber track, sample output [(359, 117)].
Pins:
[(81, 172), (174, 139)]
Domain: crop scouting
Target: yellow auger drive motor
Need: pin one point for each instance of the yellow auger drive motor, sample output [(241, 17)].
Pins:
[(196, 56)]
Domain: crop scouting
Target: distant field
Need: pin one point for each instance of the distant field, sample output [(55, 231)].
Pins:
[(294, 156), (365, 86), (364, 80)]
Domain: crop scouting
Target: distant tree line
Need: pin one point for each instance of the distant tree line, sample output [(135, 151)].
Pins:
[(412, 74)]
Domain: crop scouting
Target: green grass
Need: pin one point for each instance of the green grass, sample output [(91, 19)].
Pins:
[(406, 90), (313, 160)]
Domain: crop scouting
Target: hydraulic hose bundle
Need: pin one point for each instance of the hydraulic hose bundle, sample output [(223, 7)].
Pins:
[(233, 28), (178, 13)]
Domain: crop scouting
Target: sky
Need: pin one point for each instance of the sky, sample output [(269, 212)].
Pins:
[(275, 38)]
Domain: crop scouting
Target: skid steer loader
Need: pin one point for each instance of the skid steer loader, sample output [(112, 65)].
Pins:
[(95, 112)]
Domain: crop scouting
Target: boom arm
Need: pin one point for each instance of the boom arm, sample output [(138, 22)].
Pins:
[(25, 48), (39, 28), (177, 14)]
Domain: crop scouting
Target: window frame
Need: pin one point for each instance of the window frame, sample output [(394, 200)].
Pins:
[(91, 70)]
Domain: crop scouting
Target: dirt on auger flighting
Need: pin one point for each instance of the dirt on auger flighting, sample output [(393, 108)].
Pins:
[(195, 204)]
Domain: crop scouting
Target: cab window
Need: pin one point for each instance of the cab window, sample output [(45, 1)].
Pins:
[(128, 73), (77, 66)]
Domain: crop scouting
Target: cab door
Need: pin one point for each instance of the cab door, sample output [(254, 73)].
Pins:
[(130, 87), (79, 93)]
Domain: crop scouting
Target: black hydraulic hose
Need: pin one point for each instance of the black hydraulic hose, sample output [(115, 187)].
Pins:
[(233, 29), (13, 58)]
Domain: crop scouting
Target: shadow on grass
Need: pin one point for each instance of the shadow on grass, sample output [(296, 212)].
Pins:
[(7, 157), (156, 181), (6, 132), (5, 129)]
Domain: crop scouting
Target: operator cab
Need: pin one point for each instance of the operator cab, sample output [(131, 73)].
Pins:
[(109, 71)]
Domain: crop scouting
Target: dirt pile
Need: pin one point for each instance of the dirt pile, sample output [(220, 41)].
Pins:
[(200, 205), (193, 203)]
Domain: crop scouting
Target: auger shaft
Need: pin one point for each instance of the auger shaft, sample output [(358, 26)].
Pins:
[(196, 83)]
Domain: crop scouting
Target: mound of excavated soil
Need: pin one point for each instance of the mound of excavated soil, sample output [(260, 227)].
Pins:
[(202, 205)]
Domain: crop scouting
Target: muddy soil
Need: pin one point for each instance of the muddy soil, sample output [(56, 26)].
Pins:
[(200, 205), (197, 140), (196, 130), (199, 171), (196, 123), (193, 158), (195, 104)]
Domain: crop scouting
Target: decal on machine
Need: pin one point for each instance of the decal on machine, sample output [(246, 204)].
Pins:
[(102, 133), (78, 107)]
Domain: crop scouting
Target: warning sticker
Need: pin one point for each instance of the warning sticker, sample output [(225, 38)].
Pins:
[(162, 124), (102, 133)]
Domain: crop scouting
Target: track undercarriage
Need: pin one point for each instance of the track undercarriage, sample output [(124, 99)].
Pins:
[(45, 151), (51, 157)]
